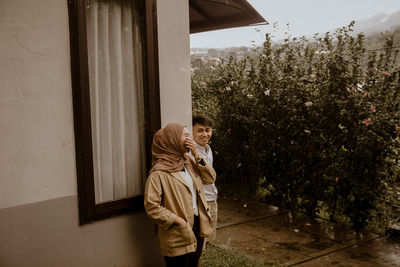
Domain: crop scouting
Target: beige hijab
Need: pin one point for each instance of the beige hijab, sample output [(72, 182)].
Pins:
[(167, 154)]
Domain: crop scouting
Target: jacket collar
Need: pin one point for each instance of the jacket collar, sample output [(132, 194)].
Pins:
[(195, 182), (179, 177)]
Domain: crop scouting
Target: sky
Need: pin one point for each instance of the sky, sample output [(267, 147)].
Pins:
[(305, 17)]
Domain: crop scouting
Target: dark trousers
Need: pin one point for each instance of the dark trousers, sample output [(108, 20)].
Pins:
[(189, 259)]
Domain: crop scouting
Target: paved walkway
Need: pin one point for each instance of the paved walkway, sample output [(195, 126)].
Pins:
[(282, 238)]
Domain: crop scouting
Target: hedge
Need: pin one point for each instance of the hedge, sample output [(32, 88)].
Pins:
[(313, 124)]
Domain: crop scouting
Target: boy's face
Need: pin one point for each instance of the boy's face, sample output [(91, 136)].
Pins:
[(202, 134)]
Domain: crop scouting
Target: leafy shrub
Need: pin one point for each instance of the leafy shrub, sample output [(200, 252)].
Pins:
[(313, 124)]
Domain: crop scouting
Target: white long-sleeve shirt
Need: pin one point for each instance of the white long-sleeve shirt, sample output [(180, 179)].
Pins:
[(188, 179), (209, 189)]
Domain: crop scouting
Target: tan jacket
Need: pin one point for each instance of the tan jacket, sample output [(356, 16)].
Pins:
[(166, 196)]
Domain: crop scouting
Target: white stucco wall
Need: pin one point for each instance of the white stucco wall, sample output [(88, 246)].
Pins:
[(174, 62), (37, 157)]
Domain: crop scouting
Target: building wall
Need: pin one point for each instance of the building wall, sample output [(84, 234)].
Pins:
[(47, 233), (174, 62), (38, 189), (37, 158)]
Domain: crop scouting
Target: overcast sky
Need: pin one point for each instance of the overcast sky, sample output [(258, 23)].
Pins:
[(305, 17)]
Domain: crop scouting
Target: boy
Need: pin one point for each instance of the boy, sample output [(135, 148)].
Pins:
[(202, 132)]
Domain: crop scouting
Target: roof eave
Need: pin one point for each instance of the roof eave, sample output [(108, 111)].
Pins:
[(247, 15)]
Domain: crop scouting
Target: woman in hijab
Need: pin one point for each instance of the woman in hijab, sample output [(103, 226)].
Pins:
[(174, 196)]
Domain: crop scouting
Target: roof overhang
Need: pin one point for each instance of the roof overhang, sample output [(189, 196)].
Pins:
[(209, 15)]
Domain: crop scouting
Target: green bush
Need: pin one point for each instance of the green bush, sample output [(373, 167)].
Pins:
[(313, 124)]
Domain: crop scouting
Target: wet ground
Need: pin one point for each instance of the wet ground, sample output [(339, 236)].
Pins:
[(282, 238)]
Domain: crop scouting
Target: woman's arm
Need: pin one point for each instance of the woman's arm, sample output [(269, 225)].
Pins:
[(207, 172), (152, 203)]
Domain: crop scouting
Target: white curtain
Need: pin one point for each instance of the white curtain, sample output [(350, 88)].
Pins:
[(116, 98)]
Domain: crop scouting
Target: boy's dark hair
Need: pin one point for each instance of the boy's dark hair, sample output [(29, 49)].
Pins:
[(202, 120)]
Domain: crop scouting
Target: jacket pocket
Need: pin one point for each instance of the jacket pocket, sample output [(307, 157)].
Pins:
[(180, 235)]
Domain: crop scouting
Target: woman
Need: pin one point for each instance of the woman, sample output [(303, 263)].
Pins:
[(174, 196)]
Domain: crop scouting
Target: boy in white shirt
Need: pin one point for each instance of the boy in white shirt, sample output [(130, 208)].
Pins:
[(202, 132)]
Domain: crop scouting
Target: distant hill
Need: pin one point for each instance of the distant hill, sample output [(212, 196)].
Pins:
[(379, 23)]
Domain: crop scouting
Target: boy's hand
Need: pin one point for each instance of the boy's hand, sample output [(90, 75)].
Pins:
[(191, 146)]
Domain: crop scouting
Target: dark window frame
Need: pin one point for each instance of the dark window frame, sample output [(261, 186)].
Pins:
[(88, 209)]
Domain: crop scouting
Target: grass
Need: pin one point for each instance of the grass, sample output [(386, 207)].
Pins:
[(215, 256)]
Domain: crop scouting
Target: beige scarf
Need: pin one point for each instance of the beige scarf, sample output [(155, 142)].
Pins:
[(167, 154)]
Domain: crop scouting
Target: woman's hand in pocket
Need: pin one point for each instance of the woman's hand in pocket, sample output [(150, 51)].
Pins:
[(179, 221)]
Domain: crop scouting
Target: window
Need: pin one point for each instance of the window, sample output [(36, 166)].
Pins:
[(115, 86)]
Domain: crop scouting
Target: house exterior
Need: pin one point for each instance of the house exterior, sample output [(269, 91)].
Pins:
[(58, 127)]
